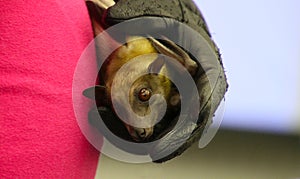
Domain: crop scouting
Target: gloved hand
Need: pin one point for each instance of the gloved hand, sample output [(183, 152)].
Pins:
[(210, 79)]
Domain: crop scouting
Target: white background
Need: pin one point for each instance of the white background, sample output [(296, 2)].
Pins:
[(260, 46)]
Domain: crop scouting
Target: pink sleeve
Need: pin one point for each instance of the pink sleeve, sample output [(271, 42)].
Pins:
[(41, 42)]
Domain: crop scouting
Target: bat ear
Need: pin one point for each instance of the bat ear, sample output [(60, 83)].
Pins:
[(94, 92), (156, 66), (96, 9), (170, 49)]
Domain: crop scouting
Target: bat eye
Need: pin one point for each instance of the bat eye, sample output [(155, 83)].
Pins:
[(144, 94)]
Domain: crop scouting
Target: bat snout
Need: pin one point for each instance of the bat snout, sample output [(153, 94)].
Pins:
[(143, 133), (140, 134)]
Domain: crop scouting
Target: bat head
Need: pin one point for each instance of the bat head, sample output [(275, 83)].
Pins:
[(140, 97)]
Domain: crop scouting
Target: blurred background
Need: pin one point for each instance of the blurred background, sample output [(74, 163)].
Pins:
[(259, 135), (260, 45)]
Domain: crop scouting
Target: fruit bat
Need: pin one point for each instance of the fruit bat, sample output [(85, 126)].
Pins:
[(104, 16), (147, 85)]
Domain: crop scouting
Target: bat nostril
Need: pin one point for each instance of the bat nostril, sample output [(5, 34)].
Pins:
[(141, 133)]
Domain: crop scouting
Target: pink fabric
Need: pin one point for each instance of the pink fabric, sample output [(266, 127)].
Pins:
[(41, 42)]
